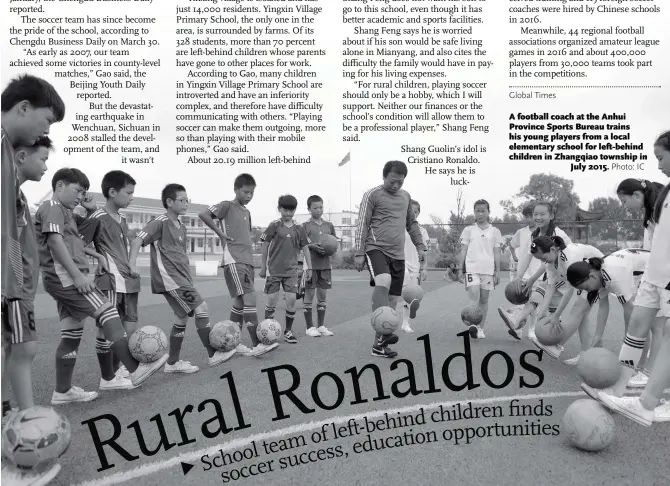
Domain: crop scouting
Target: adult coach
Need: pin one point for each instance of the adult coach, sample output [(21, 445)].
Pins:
[(384, 215)]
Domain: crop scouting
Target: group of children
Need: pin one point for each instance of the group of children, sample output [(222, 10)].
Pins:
[(551, 268)]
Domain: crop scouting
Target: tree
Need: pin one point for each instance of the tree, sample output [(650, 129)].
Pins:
[(617, 224), (548, 187)]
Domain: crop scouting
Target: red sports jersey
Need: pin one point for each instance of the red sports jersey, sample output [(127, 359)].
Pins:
[(285, 244), (315, 232), (237, 225), (170, 266)]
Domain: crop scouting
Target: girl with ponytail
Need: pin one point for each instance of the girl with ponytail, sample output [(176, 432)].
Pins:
[(550, 300), (651, 302), (639, 194), (543, 219)]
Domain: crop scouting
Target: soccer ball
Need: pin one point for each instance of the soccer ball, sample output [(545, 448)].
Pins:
[(268, 331), (385, 320), (148, 344), (225, 336), (35, 436)]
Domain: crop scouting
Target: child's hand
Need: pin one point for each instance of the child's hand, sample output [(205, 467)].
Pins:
[(263, 273), (102, 267), (319, 249), (359, 262), (83, 284), (134, 272), (308, 275), (88, 203)]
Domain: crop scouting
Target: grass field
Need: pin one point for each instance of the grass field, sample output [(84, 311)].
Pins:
[(638, 455)]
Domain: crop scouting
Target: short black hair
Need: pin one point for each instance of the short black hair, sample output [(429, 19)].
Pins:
[(482, 202), (244, 180), (37, 91), (45, 142), (70, 176), (117, 180), (416, 203), (395, 166), (313, 199), (287, 202), (527, 210), (170, 192)]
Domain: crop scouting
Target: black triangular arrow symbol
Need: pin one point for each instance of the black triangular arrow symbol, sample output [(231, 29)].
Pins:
[(186, 467)]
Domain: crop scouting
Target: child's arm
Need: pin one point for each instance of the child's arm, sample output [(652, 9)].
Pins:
[(153, 231), (62, 255), (496, 264), (135, 246), (461, 261), (102, 261), (219, 211), (601, 321), (264, 259), (543, 308), (304, 242), (565, 300)]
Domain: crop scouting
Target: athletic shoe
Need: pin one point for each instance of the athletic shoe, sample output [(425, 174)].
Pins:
[(595, 392), (312, 332), (508, 318), (116, 383), (324, 331), (180, 367), (145, 371), (573, 361), (290, 338), (662, 412), (406, 328), (480, 333), (383, 352), (261, 349), (123, 372), (13, 476), (73, 395), (221, 357), (638, 381), (553, 351), (629, 407), (388, 339), (243, 350)]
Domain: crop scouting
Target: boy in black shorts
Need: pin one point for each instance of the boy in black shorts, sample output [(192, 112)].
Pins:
[(385, 214), (321, 279), (282, 241)]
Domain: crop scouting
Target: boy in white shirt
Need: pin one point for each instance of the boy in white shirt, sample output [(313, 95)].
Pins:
[(481, 245), (414, 271)]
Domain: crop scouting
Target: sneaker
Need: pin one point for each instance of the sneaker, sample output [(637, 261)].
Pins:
[(220, 357), (595, 392), (508, 318), (662, 412), (629, 407), (553, 351), (573, 361), (180, 367), (388, 339), (406, 328), (638, 381), (145, 371), (383, 352), (116, 383), (313, 332), (11, 475), (243, 350), (290, 338), (324, 331), (123, 371), (261, 349), (74, 394), (480, 333)]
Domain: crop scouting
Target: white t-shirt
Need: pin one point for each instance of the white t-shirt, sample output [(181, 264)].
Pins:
[(658, 267), (574, 252), (412, 263), (536, 264), (619, 271), (481, 243)]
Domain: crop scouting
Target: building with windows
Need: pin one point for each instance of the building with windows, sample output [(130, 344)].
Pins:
[(200, 239)]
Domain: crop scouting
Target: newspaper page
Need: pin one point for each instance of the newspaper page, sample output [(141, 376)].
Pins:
[(299, 242)]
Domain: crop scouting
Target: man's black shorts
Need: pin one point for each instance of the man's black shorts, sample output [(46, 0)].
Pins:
[(379, 263)]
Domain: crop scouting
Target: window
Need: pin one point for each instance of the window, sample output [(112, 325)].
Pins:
[(346, 232), (199, 223), (129, 217), (200, 242), (346, 220)]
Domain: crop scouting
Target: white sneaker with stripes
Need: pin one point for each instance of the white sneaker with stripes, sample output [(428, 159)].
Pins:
[(73, 395)]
